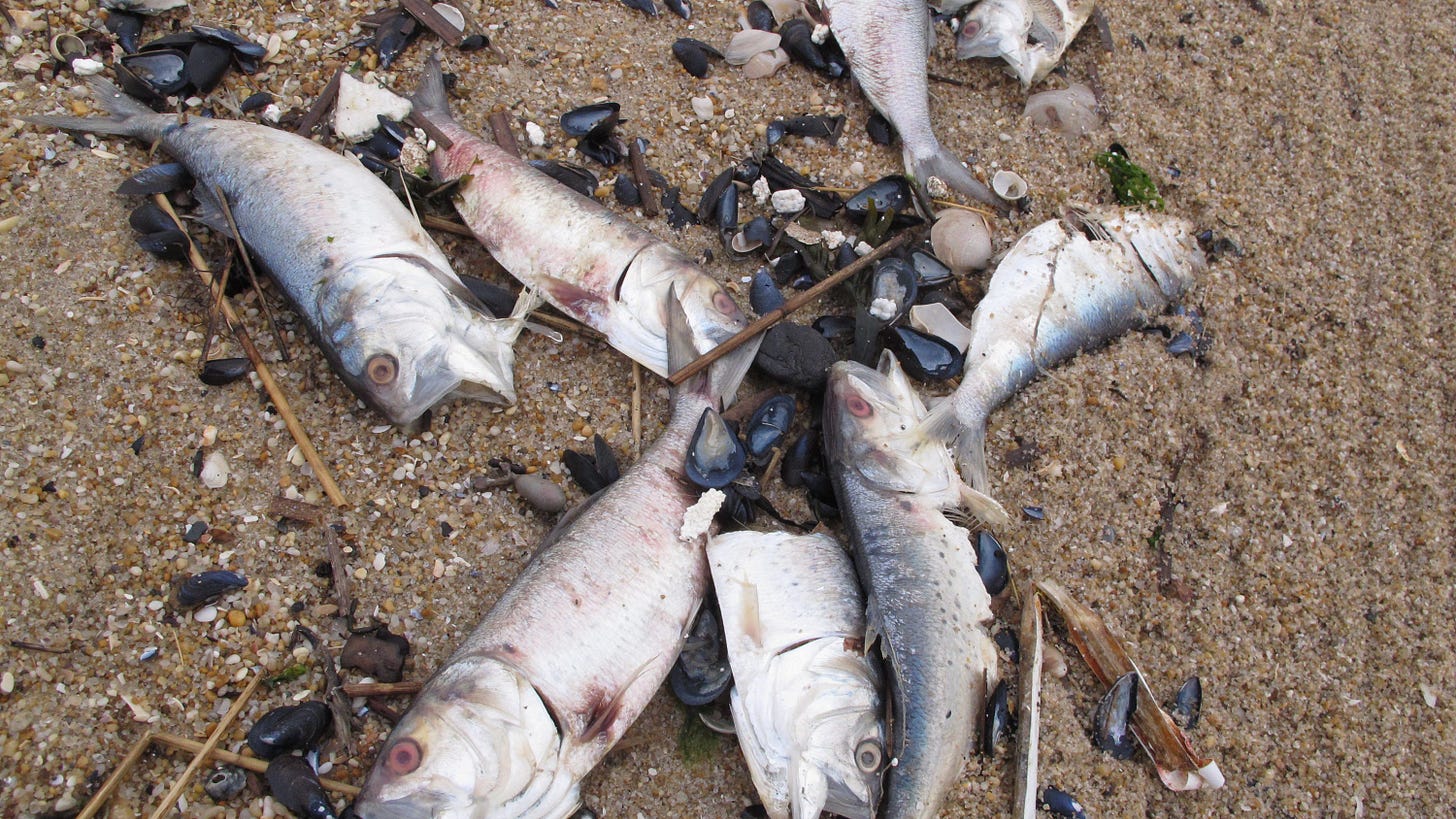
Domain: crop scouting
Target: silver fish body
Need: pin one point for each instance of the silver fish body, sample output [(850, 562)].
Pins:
[(1030, 35), (886, 43), (587, 261), (805, 701), (1056, 292), (928, 608), (374, 289), (568, 657)]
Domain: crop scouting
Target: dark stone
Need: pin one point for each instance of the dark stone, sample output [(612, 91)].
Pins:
[(797, 355)]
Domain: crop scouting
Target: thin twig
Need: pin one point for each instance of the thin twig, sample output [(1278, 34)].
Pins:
[(773, 317), (30, 645), (1028, 710), (227, 212), (382, 689), (651, 205), (251, 763), (98, 801), (500, 131), (447, 225), (333, 688), (321, 106), (206, 748), (947, 80), (340, 572), (275, 392), (424, 11), (636, 409)]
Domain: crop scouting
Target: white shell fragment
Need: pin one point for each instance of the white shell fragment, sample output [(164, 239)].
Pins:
[(214, 473), (961, 239), (144, 6), (1072, 110), (765, 64), (356, 114), (1009, 186), (452, 15), (787, 201), (699, 517), (747, 43), (937, 320), (702, 108)]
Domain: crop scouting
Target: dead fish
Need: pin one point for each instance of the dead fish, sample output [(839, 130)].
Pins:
[(1030, 35), (806, 697), (928, 610), (376, 292), (598, 268), (1067, 285), (571, 653), (886, 43)]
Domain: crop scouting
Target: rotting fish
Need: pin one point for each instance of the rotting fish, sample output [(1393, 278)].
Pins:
[(1067, 285), (373, 288), (1030, 35), (805, 702), (887, 43), (569, 656), (588, 262), (928, 609)]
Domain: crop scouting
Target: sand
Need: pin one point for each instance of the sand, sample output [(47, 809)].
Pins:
[(1300, 475)]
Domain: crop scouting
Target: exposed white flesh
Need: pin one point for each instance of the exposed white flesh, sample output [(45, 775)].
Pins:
[(886, 42), (927, 605), (356, 265), (1030, 35), (806, 702), (1058, 292)]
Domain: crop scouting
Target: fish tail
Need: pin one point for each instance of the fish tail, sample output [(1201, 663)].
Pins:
[(944, 165), (128, 116), (429, 99), (945, 425)]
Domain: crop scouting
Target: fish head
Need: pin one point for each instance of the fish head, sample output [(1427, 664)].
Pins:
[(715, 317), (404, 343), (872, 425), (841, 768), (994, 28), (478, 741)]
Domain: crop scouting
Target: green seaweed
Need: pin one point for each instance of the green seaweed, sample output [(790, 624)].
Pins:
[(287, 675), (695, 741), (1131, 185)]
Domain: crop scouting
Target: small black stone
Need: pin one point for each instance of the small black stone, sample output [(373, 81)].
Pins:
[(797, 355)]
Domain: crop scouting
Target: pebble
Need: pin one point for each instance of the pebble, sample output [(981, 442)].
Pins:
[(797, 355), (237, 619), (7, 683), (788, 201), (214, 474)]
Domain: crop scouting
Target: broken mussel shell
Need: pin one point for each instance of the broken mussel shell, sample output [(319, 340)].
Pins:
[(161, 73), (127, 27), (818, 126), (163, 178), (571, 175), (1112, 721), (991, 563), (923, 356), (769, 425), (701, 673), (290, 728), (594, 472), (165, 244), (595, 122), (1188, 704), (295, 784), (996, 724), (377, 653), (879, 129), (200, 589), (693, 55), (715, 455), (891, 194), (1060, 803), (755, 235), (219, 372), (225, 782)]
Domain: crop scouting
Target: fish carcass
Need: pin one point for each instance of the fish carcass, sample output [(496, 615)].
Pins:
[(887, 43), (1067, 285), (1030, 35), (373, 288), (587, 261), (568, 657), (805, 702), (928, 609)]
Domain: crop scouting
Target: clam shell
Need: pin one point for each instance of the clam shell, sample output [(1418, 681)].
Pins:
[(745, 44), (962, 240), (1009, 186), (1072, 110)]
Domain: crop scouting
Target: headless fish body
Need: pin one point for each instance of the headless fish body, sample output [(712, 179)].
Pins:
[(805, 701), (1059, 291), (1030, 35), (886, 43), (374, 289), (568, 657), (927, 605), (588, 262)]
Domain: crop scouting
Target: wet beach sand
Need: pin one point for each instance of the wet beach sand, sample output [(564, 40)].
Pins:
[(1276, 519)]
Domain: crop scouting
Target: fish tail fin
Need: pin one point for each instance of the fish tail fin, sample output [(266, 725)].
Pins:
[(986, 508), (942, 424), (128, 116), (430, 101), (944, 165)]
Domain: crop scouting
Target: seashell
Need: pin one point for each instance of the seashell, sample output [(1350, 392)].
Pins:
[(760, 16), (219, 372), (647, 7), (148, 218), (769, 425), (1188, 704), (1009, 186), (678, 216), (200, 589), (715, 456), (835, 328), (225, 782), (821, 127), (1071, 111), (924, 357), (238, 43), (991, 563), (207, 62), (67, 48), (162, 72), (712, 195), (391, 38), (540, 492), (377, 653), (594, 122), (701, 673), (1060, 803), (171, 245), (693, 55), (127, 27), (996, 723), (290, 728), (214, 471), (961, 239), (144, 6), (572, 176), (937, 320), (681, 8), (798, 40), (749, 42), (295, 784), (929, 271), (1112, 722), (176, 41), (452, 15), (893, 192), (880, 130), (594, 472), (626, 191), (726, 212), (756, 234), (765, 64), (163, 178)]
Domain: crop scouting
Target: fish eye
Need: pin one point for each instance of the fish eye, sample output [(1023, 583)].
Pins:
[(382, 368), (869, 755), (404, 757), (858, 407)]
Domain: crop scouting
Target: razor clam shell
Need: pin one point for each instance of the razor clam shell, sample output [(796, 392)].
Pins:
[(1028, 710), (1179, 766)]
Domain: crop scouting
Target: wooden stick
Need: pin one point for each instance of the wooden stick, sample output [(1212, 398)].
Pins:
[(321, 106), (248, 762), (275, 392), (651, 205), (227, 212), (206, 748), (423, 11), (447, 225), (381, 689), (636, 409), (773, 317), (500, 131), (98, 801)]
